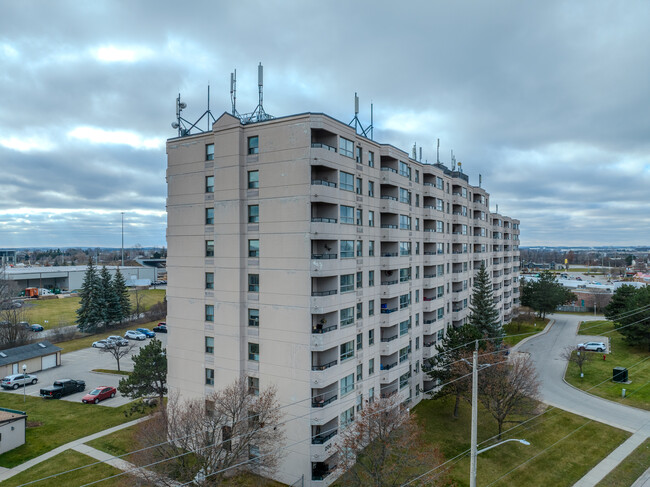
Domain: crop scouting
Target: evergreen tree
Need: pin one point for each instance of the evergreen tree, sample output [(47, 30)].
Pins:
[(122, 300), (545, 294), (149, 373), (446, 366), (620, 302), (111, 314), (90, 314), (484, 316), (631, 315)]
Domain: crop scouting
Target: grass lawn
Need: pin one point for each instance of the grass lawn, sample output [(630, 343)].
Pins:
[(62, 312), (66, 461), (520, 327), (123, 441), (629, 469), (87, 341), (52, 423), (622, 355), (561, 465)]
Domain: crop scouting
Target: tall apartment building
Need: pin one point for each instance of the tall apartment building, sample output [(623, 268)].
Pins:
[(304, 255)]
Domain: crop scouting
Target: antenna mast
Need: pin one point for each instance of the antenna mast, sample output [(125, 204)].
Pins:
[(233, 92), (357, 124), (438, 153)]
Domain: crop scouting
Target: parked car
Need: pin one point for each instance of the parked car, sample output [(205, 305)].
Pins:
[(592, 346), (16, 380), (101, 344), (118, 340), (135, 335), (99, 394), (161, 328), (146, 332), (63, 387), (36, 327)]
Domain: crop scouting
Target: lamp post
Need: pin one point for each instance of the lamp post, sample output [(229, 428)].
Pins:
[(523, 442), (24, 383), (122, 239)]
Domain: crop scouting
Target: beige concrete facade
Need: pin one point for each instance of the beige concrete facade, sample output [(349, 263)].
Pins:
[(365, 257)]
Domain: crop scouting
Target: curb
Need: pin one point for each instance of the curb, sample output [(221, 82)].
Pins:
[(544, 331)]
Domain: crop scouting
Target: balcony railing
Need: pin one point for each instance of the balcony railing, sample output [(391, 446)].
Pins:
[(429, 322), (324, 366), (388, 310), (320, 402), (320, 219), (388, 283), (320, 439), (390, 339), (386, 225), (324, 256), (388, 366), (320, 145), (386, 197), (390, 169), (322, 475), (324, 293), (322, 182), (320, 329)]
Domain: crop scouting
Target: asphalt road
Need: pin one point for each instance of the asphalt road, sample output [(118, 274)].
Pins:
[(546, 349), (79, 365)]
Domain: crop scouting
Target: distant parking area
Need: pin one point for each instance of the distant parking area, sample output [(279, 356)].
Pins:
[(79, 365)]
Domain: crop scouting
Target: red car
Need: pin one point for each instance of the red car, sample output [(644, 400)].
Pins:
[(99, 394)]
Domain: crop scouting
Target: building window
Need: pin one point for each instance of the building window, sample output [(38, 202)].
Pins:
[(359, 372), (209, 344), (347, 249), (209, 152), (346, 317), (346, 147), (417, 272), (404, 380), (371, 218), (404, 196), (371, 246), (254, 248), (253, 179), (404, 170), (417, 224), (209, 312), (346, 181), (371, 337), (359, 217), (359, 155), (358, 188), (417, 248), (405, 222), (347, 351), (404, 248), (359, 311), (404, 301), (417, 347), (371, 395), (347, 384), (253, 213), (404, 354), (417, 295), (347, 283), (347, 417), (404, 327), (209, 248), (254, 145), (347, 214), (209, 280), (254, 352), (405, 274), (359, 341), (209, 216), (371, 307), (417, 176), (254, 386), (371, 159), (371, 188), (371, 278), (209, 184), (371, 366), (253, 317), (254, 283), (209, 377), (359, 248)]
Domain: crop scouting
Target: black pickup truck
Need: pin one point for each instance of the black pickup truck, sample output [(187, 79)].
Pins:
[(63, 387)]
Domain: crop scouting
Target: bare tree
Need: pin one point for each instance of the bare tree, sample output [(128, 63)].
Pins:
[(383, 447), (508, 387), (230, 429), (13, 332), (118, 351), (578, 357), (138, 305)]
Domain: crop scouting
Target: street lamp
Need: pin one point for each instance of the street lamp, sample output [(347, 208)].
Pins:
[(523, 442), (24, 383)]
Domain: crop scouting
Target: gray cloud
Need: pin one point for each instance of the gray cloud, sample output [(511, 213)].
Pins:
[(547, 100)]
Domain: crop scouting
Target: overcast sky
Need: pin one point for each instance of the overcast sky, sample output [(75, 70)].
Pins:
[(548, 101)]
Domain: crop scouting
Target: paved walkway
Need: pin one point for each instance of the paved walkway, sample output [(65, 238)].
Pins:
[(546, 349), (644, 480), (8, 473)]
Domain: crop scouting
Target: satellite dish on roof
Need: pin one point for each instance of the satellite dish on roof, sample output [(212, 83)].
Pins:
[(175, 125)]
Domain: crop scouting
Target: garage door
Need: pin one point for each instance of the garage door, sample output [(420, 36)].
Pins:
[(49, 361)]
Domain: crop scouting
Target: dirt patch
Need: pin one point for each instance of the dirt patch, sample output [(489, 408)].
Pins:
[(34, 424)]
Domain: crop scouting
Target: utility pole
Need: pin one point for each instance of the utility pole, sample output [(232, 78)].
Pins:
[(122, 239), (472, 461)]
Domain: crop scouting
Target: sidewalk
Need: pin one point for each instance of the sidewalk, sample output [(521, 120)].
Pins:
[(10, 472)]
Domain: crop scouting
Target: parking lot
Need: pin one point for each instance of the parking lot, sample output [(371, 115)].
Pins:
[(79, 365)]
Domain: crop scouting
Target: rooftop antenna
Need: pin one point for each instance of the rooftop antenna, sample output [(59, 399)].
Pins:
[(480, 180), (183, 125), (497, 209), (438, 153), (258, 115), (420, 153), (357, 123), (415, 150), (233, 92)]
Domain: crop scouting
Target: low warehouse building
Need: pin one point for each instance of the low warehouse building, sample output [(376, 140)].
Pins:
[(12, 429)]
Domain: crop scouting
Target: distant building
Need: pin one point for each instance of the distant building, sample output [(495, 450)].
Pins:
[(12, 429), (36, 356), (7, 257)]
